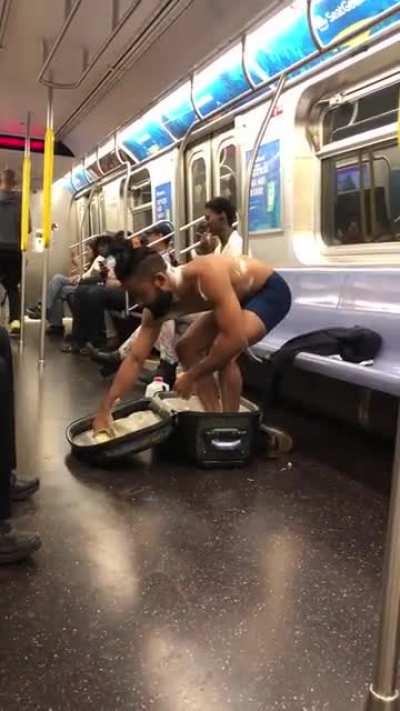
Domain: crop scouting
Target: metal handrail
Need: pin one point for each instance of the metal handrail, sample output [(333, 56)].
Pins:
[(297, 66), (4, 20), (249, 173), (102, 49)]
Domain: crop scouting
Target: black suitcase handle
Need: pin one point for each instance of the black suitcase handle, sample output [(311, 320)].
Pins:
[(225, 439)]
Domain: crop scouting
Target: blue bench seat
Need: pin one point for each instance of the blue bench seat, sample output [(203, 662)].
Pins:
[(343, 297)]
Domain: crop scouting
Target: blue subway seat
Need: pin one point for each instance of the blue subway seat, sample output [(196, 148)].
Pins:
[(339, 297)]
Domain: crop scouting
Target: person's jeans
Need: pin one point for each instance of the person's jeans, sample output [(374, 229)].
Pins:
[(58, 289), (7, 430), (89, 305), (10, 277)]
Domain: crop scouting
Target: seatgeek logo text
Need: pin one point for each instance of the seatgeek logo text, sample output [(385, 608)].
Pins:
[(322, 23)]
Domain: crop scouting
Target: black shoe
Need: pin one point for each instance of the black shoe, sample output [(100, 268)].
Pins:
[(34, 312), (167, 371), (70, 347), (54, 330), (16, 546), (109, 358), (21, 489)]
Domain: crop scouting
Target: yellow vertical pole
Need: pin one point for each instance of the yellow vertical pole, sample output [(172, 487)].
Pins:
[(25, 221), (48, 168)]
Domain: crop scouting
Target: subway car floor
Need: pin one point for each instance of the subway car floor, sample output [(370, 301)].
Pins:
[(161, 587)]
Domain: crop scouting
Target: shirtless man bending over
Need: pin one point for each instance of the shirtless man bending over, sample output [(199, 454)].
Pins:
[(242, 298)]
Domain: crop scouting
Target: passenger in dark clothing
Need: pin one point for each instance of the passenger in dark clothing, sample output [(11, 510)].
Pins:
[(10, 252), (90, 302), (14, 546)]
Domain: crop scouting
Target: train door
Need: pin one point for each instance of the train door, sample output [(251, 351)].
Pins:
[(226, 167), (140, 200), (198, 182), (96, 213), (212, 168)]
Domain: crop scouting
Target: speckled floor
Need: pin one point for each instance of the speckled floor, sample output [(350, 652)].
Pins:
[(165, 588)]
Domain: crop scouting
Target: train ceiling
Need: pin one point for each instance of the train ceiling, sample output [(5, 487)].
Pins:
[(153, 43)]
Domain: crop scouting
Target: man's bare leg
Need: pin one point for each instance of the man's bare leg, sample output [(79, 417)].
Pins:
[(230, 377), (208, 394), (191, 348), (231, 384)]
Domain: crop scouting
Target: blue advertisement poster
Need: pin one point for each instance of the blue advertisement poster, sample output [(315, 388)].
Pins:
[(220, 83), (80, 178), (177, 112), (279, 44), (334, 19), (265, 210), (163, 202), (145, 137)]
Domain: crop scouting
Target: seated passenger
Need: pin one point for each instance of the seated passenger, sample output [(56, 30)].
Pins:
[(14, 546), (61, 286), (243, 299), (168, 358), (221, 237), (92, 299)]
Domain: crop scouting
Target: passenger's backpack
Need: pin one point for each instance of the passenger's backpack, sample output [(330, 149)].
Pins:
[(354, 345)]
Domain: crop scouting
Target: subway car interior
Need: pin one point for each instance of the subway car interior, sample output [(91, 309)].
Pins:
[(199, 376)]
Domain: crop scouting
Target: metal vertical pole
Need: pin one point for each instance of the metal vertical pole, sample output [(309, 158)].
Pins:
[(125, 204), (364, 226), (46, 219), (383, 694), (26, 189), (249, 171)]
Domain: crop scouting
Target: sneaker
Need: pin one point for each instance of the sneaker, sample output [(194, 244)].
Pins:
[(21, 489), (15, 545), (15, 327), (34, 312)]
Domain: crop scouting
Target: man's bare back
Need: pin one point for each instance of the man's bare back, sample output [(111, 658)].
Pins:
[(240, 299), (189, 282)]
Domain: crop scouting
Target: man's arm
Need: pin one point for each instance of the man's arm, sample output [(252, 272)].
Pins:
[(129, 370), (231, 338)]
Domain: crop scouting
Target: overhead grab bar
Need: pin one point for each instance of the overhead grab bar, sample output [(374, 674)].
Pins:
[(249, 173), (5, 14), (88, 65)]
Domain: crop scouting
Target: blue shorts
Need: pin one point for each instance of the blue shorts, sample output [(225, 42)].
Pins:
[(272, 302)]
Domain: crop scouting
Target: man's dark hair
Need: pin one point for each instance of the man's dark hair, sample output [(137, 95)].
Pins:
[(220, 205), (141, 261)]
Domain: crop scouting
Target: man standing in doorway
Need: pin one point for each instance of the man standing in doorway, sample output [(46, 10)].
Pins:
[(10, 251)]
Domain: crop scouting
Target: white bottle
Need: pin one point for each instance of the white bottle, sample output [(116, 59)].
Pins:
[(157, 386)]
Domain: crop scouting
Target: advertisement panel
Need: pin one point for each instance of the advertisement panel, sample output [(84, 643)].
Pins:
[(265, 209), (333, 20), (145, 137), (177, 112), (163, 198), (221, 82), (279, 43)]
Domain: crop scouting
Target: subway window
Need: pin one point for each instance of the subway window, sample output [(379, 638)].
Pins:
[(140, 202), (228, 173), (361, 197), (375, 110), (198, 187)]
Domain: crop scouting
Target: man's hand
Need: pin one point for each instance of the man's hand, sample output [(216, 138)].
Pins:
[(184, 385), (103, 422), (74, 279)]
